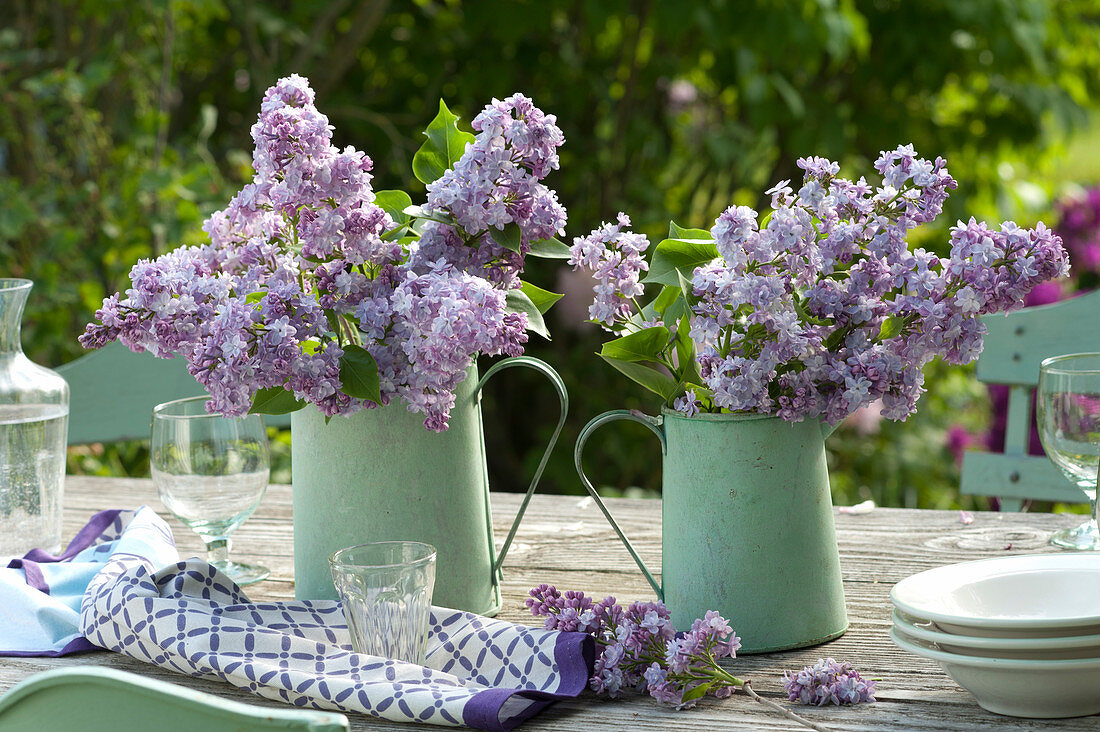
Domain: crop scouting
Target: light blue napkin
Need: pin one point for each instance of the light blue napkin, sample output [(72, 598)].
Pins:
[(40, 594)]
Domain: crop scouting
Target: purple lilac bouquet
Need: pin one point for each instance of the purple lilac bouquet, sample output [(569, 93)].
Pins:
[(817, 308), (639, 648), (316, 288)]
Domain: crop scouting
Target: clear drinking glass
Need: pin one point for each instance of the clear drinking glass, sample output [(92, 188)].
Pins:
[(1069, 427), (386, 590), (211, 472)]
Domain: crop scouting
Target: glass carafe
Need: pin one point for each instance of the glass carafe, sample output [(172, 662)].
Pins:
[(34, 417)]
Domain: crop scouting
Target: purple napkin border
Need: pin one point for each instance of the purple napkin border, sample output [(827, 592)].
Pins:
[(79, 644), (575, 655), (84, 539)]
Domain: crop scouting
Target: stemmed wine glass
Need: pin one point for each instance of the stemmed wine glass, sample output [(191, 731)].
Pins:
[(1069, 427), (211, 472)]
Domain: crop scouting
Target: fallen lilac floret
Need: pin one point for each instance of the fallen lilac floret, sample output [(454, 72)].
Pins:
[(828, 682)]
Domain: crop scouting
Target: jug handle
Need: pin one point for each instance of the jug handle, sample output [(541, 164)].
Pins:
[(563, 399), (654, 425)]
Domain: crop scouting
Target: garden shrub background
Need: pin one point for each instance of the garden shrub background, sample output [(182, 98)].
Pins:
[(122, 125)]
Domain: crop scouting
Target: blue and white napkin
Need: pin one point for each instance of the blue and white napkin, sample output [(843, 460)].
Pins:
[(40, 594), (142, 601)]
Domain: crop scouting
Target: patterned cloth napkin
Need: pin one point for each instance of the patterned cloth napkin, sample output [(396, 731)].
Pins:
[(188, 617)]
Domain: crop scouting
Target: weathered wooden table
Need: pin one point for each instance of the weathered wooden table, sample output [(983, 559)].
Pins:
[(564, 540)]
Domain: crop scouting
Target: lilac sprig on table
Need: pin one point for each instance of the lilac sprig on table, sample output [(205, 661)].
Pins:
[(817, 308), (315, 288), (828, 682), (638, 647)]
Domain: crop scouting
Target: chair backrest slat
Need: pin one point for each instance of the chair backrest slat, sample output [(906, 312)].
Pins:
[(113, 392), (1015, 345), (103, 699), (1017, 342)]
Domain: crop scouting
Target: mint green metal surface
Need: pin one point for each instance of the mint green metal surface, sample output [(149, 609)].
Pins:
[(114, 390), (1015, 344), (380, 475), (747, 526), (100, 699)]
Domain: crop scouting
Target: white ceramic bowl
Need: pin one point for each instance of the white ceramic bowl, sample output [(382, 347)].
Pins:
[(1027, 595), (1074, 646), (1036, 689)]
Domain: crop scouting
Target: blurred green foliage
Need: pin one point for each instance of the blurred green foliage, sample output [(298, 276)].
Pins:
[(122, 125)]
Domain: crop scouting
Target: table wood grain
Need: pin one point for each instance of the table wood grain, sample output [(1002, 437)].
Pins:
[(564, 540)]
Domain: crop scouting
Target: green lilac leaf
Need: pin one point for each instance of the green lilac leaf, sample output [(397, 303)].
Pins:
[(669, 294), (551, 248), (509, 237), (701, 392), (542, 299), (656, 381), (668, 306), (685, 352), (675, 231), (891, 327), (444, 146), (359, 374), (645, 345), (519, 302), (274, 400), (836, 338), (697, 692), (679, 255), (394, 203), (684, 283)]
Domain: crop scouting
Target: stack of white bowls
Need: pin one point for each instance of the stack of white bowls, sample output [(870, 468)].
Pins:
[(1021, 633)]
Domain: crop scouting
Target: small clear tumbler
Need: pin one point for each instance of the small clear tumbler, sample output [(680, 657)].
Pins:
[(386, 590)]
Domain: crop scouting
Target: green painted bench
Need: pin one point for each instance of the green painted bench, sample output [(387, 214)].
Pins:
[(99, 699), (113, 392), (1014, 347)]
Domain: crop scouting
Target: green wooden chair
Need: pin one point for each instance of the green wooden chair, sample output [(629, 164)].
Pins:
[(113, 392), (100, 699), (1014, 347)]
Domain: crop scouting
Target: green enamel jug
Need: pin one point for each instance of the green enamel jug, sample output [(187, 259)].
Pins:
[(380, 475), (747, 526)]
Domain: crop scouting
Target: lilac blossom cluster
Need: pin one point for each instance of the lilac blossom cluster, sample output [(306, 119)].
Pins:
[(638, 648), (302, 265), (825, 309), (614, 256), (820, 307), (828, 682), (497, 183)]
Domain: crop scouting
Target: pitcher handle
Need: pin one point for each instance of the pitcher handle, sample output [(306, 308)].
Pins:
[(654, 425), (563, 399)]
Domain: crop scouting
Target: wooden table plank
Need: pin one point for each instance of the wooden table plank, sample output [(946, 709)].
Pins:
[(565, 541)]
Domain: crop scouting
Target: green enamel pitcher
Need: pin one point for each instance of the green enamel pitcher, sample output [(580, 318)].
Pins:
[(380, 475), (747, 525)]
